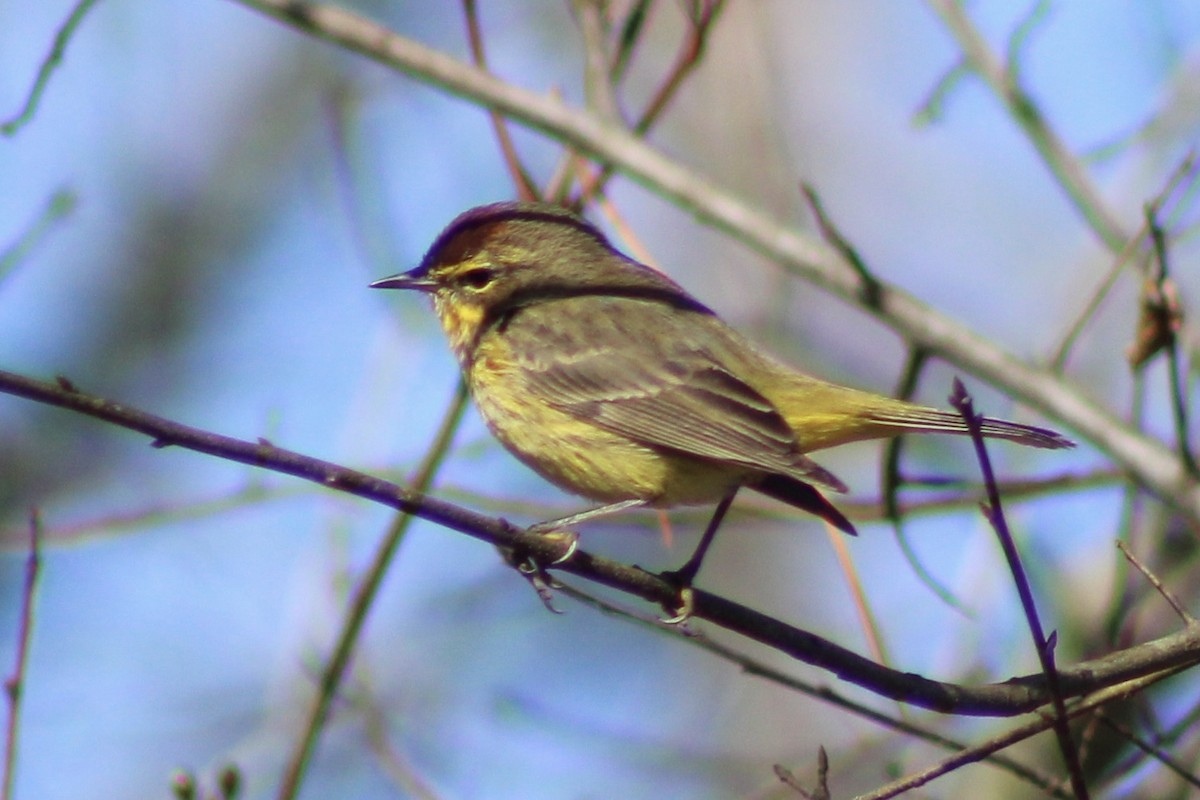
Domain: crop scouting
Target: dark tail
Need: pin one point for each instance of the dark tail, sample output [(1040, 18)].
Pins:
[(803, 496)]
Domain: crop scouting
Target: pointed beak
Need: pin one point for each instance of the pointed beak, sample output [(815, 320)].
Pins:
[(413, 279)]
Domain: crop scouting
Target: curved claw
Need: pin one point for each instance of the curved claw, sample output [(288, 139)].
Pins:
[(571, 539), (534, 571), (683, 611), (541, 582)]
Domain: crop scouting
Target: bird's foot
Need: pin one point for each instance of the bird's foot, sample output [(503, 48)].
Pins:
[(533, 567), (680, 610)]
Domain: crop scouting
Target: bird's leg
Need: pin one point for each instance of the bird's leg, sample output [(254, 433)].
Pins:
[(591, 513), (684, 576)]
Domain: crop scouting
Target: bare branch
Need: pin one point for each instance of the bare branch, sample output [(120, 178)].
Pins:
[(1044, 645), (1014, 696), (1018, 734)]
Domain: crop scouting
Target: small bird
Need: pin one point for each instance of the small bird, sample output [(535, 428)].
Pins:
[(610, 381)]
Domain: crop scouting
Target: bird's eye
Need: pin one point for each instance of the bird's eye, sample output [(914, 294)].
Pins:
[(477, 278)]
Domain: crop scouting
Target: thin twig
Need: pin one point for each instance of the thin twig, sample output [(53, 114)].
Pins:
[(394, 764), (1045, 647), (824, 694), (51, 62), (598, 85), (862, 607), (631, 34), (1157, 753), (1003, 80), (630, 241), (525, 185), (58, 208), (361, 602), (1021, 35), (690, 54), (1131, 504), (1185, 725), (14, 685), (1167, 595), (821, 792), (1184, 175), (960, 494), (871, 289), (891, 480), (932, 108), (997, 743), (1063, 351)]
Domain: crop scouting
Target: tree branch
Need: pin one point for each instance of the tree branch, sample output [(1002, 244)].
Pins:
[(1014, 696)]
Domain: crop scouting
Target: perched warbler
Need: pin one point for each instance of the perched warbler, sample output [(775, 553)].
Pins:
[(612, 382)]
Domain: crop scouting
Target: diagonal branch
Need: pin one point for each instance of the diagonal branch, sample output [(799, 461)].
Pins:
[(994, 511), (1014, 696)]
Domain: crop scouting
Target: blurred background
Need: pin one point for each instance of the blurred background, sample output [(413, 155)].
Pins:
[(190, 221)]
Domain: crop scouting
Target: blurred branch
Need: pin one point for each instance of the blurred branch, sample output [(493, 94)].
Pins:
[(402, 772), (362, 599), (631, 28), (599, 88), (1151, 463), (1183, 177), (14, 685), (821, 792), (1059, 360), (1159, 323), (867, 622), (963, 494), (891, 480), (1014, 696), (842, 246), (526, 188), (49, 64), (825, 694), (1162, 590), (1135, 761), (703, 15), (1151, 750), (1086, 706), (59, 207), (1003, 79)]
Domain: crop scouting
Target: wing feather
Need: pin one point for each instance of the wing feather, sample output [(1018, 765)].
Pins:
[(664, 391)]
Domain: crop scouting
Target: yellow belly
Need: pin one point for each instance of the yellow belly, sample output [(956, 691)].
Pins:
[(587, 460)]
